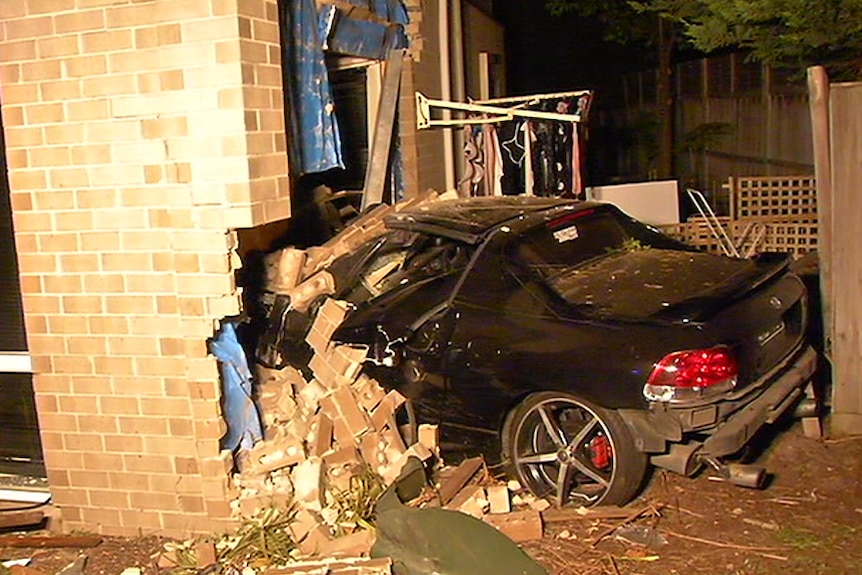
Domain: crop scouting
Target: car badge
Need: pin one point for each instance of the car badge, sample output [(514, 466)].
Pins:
[(775, 302)]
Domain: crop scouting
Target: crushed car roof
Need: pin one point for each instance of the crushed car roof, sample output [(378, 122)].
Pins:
[(469, 219)]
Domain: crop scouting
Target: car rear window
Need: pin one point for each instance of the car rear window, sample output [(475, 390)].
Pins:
[(568, 241)]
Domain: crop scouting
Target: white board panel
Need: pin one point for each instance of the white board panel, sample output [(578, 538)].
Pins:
[(654, 203)]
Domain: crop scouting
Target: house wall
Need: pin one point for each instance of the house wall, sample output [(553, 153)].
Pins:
[(423, 153), (139, 136), (481, 34)]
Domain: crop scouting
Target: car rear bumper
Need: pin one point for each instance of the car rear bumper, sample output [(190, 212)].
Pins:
[(724, 426)]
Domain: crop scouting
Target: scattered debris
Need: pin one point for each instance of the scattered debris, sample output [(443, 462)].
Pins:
[(76, 567), (649, 509), (770, 525), (642, 535)]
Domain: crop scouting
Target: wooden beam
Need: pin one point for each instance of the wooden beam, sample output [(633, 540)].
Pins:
[(818, 103), (381, 144), (9, 519)]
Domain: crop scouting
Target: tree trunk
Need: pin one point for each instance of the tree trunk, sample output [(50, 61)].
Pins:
[(666, 42)]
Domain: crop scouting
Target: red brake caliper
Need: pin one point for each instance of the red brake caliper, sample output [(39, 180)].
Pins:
[(600, 452)]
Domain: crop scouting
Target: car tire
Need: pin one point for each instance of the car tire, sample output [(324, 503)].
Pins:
[(569, 450)]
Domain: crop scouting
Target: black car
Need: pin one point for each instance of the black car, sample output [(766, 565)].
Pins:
[(573, 344)]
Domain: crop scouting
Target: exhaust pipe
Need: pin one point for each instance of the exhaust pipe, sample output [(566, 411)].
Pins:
[(750, 476), (680, 459)]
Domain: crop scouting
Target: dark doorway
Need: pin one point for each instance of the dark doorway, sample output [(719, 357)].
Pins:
[(20, 446)]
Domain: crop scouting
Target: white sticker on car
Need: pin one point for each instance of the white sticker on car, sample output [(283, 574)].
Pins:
[(566, 234)]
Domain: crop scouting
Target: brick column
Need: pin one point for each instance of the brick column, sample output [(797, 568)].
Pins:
[(140, 134)]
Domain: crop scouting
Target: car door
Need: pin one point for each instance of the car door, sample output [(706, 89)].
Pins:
[(513, 336)]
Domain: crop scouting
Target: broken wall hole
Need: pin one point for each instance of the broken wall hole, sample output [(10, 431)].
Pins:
[(309, 435)]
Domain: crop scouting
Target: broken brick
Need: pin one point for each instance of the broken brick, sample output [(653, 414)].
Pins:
[(347, 360), (315, 540), (384, 414), (321, 283), (349, 419), (373, 449), (289, 268), (311, 395), (319, 437), (340, 466), (519, 526), (357, 544), (498, 499), (470, 500), (368, 392), (281, 451), (304, 521), (307, 477), (429, 436)]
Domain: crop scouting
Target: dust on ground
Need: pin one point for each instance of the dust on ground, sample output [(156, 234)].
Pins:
[(807, 521)]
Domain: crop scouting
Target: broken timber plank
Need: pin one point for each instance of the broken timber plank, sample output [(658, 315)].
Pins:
[(21, 518), (459, 478), (378, 160), (53, 541)]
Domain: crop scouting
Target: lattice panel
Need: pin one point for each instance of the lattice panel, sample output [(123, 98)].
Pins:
[(794, 238), (773, 198), (695, 232)]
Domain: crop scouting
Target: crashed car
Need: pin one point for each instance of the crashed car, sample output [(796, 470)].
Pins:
[(574, 345)]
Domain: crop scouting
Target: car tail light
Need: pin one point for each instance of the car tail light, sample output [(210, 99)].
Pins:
[(692, 374)]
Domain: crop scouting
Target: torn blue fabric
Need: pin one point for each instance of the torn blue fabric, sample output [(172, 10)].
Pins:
[(343, 34), (240, 412), (315, 143), (362, 38)]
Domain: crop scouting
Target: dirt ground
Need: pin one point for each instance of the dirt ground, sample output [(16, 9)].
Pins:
[(807, 521)]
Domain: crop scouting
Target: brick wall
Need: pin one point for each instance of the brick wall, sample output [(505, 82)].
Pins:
[(422, 150), (140, 134)]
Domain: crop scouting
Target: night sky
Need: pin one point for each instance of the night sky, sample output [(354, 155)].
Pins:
[(546, 53)]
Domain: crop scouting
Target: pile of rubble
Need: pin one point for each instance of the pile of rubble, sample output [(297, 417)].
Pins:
[(331, 441)]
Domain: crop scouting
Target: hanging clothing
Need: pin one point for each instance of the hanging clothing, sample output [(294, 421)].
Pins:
[(493, 162), (512, 154), (529, 139), (474, 160), (315, 144)]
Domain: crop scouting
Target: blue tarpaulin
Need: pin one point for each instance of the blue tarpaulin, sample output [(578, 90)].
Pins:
[(344, 34), (315, 142), (240, 412)]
